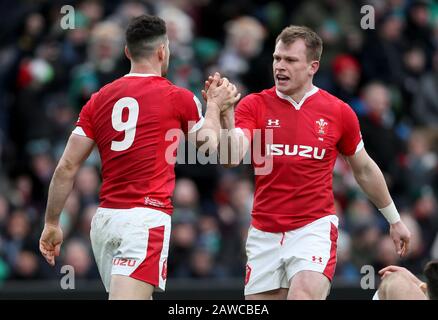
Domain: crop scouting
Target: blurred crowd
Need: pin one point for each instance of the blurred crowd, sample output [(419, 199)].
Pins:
[(388, 75)]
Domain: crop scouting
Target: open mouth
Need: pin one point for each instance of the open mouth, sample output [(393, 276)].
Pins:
[(282, 79)]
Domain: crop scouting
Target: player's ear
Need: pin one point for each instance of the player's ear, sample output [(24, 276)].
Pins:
[(161, 52), (313, 68), (127, 53), (423, 287)]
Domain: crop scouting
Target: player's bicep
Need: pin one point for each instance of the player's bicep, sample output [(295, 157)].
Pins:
[(242, 140), (350, 142), (363, 166), (245, 116), (76, 152), (358, 160), (190, 111)]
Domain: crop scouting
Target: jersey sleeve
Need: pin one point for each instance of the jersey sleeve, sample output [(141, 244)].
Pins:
[(189, 110), (84, 125), (245, 116), (351, 137)]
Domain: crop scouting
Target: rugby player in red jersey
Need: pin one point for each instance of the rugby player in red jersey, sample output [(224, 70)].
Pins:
[(128, 120), (291, 245)]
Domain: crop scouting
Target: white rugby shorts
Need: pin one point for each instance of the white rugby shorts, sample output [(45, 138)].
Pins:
[(274, 258), (131, 242)]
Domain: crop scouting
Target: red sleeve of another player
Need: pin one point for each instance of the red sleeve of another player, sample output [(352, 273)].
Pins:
[(351, 138), (189, 110), (84, 124), (245, 116)]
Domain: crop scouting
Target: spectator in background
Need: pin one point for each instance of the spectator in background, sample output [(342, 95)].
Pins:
[(414, 66), (83, 226), (425, 101), (377, 127), (203, 266), (26, 266), (77, 255), (105, 62), (362, 223), (18, 235), (418, 30), (420, 162), (233, 199), (332, 20), (186, 199), (87, 185), (346, 74), (418, 254), (184, 70), (382, 52), (345, 268), (385, 255), (4, 213), (209, 237), (425, 211), (70, 214), (182, 244), (126, 11), (243, 44)]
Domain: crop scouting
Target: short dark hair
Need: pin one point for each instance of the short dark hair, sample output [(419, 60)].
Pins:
[(431, 273), (312, 40), (141, 34)]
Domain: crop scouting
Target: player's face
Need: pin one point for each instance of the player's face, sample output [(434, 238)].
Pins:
[(165, 65), (291, 69)]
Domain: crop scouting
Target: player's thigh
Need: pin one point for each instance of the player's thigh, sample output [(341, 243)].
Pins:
[(278, 294), (311, 258), (143, 250), (308, 285), (100, 237), (127, 288), (264, 269)]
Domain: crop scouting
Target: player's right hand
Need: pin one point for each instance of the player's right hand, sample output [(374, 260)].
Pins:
[(220, 91), (401, 237), (50, 242), (207, 84)]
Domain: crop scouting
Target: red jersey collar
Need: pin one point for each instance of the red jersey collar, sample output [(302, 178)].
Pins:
[(297, 106)]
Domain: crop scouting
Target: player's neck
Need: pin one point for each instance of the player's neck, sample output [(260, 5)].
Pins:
[(298, 95), (145, 68)]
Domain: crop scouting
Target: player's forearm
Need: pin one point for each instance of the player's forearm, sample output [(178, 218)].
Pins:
[(230, 155), (59, 189), (227, 144), (227, 119), (208, 134), (370, 178)]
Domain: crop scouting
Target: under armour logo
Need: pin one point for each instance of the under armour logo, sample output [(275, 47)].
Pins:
[(273, 123), (315, 258)]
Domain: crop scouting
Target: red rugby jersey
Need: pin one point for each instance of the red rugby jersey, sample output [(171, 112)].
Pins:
[(128, 119), (307, 137)]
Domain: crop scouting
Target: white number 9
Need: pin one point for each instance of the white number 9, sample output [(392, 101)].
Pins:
[(129, 126)]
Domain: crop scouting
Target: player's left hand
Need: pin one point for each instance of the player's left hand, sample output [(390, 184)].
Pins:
[(207, 85), (222, 92), (50, 242), (401, 237)]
